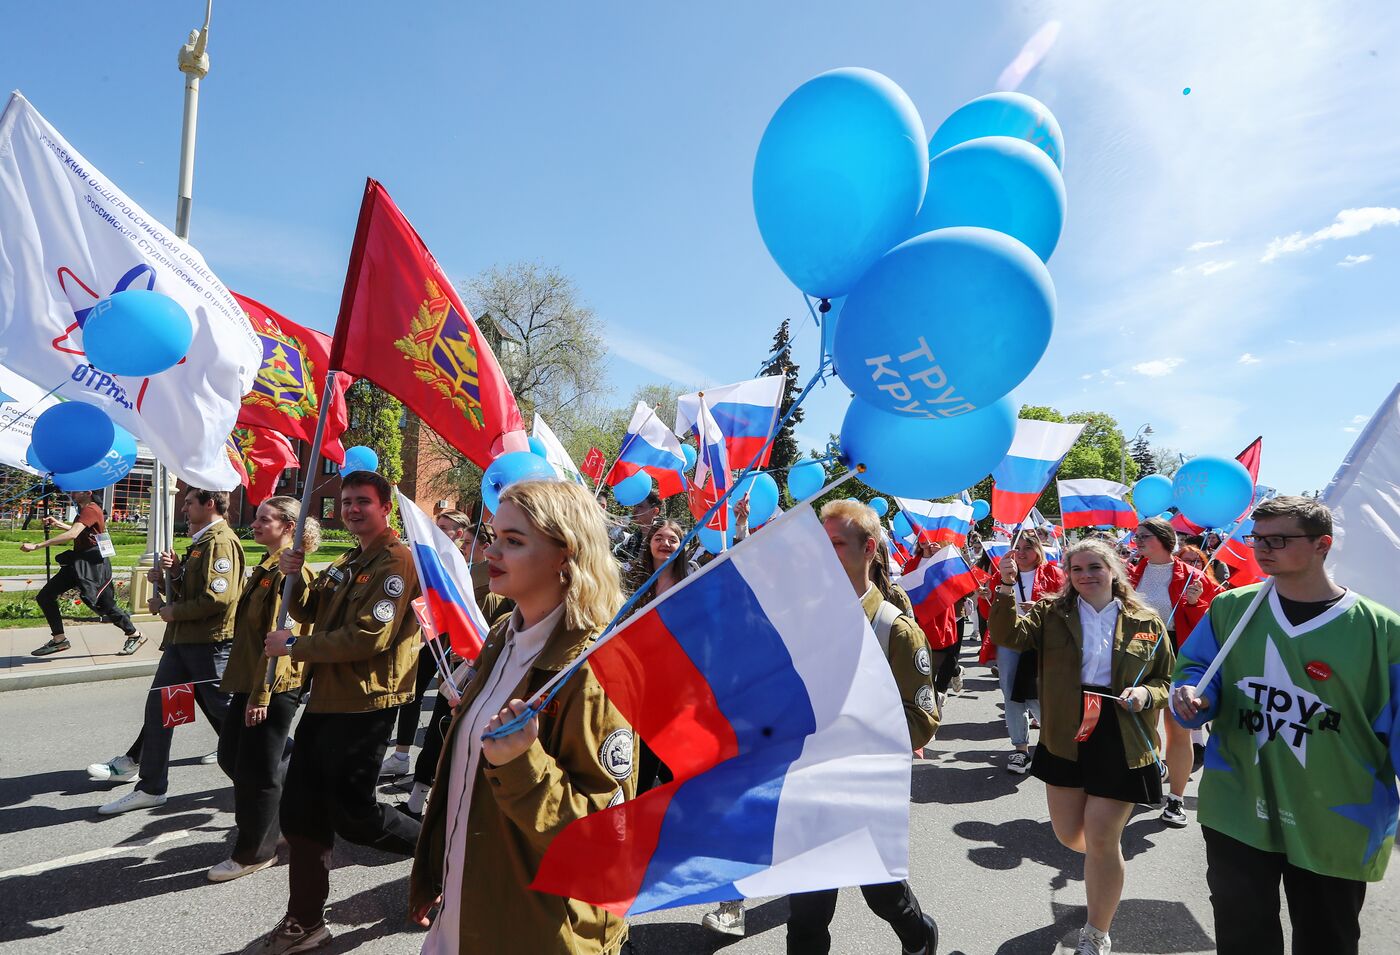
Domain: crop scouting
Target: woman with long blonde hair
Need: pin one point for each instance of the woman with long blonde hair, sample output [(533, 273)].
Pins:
[(500, 801), (1105, 665)]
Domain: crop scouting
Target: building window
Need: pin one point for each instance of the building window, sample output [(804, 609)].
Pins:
[(328, 466), (327, 508)]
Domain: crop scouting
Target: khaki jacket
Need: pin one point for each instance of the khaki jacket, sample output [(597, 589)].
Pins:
[(1142, 656), (363, 648), (205, 595), (913, 671), (517, 809), (256, 617)]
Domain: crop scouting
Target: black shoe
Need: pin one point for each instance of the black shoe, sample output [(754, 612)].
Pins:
[(930, 936), (53, 646)]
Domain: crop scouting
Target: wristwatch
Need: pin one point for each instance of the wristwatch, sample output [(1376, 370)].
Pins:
[(291, 642)]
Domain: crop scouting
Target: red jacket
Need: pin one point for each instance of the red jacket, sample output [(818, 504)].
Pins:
[(1049, 580), (1186, 615)]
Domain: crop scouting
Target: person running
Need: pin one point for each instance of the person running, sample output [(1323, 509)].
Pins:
[(205, 587), (1032, 578), (85, 568), (253, 742), (854, 529), (361, 659), (1105, 664), (1180, 595), (1299, 783), (458, 527), (486, 831)]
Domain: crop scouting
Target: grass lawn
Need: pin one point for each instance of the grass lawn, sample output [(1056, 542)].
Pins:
[(127, 554)]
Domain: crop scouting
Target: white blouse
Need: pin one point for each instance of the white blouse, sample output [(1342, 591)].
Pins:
[(1099, 626)]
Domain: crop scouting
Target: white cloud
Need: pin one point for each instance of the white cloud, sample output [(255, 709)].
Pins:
[(1157, 367), (1351, 260), (1205, 268), (642, 353), (1202, 246), (1086, 377), (1248, 359), (1348, 224), (1360, 418)]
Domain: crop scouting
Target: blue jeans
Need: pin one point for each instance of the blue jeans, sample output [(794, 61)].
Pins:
[(1017, 725)]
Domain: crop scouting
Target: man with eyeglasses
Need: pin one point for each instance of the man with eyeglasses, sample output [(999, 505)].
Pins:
[(1299, 783)]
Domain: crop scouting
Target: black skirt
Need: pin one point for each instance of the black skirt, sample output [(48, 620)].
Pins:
[(1102, 767)]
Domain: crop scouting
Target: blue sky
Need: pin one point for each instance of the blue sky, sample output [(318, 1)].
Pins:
[(1206, 283)]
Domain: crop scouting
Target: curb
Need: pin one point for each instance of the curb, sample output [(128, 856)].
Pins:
[(70, 675)]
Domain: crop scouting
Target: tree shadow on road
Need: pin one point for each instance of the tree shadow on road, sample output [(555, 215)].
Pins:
[(983, 780), (1147, 926)]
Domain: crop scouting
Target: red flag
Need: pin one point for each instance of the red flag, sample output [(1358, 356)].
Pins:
[(1239, 557), (176, 704), (1093, 706), (593, 464), (1250, 458), (425, 618), (403, 327), (702, 497), (286, 393), (263, 456), (235, 458)]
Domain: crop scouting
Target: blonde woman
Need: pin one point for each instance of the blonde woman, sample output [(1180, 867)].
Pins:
[(501, 801), (1099, 643), (253, 739)]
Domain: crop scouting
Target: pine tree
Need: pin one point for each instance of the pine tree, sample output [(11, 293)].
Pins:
[(1141, 452), (785, 451)]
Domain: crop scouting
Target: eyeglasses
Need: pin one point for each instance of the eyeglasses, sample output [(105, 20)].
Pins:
[(1274, 541)]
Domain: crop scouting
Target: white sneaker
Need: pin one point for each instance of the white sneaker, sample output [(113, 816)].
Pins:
[(136, 799), (395, 764), (118, 770), (1093, 942), (228, 870), (209, 759), (1018, 763), (955, 685), (728, 919)]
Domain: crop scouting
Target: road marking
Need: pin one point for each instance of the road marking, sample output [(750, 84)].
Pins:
[(40, 867)]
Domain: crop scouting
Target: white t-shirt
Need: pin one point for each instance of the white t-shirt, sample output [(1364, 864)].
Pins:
[(1155, 588)]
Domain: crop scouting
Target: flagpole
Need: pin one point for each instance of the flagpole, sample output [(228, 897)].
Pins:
[(438, 659)]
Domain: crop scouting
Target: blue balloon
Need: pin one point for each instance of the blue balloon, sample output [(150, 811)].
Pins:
[(1002, 114), (632, 490), (946, 323), (360, 458), (805, 479), (998, 183), (714, 541), (1212, 491), (880, 506), (762, 492), (537, 447), (980, 509), (33, 461), (71, 436), (916, 457), (137, 333), (690, 456), (839, 177), (828, 326), (111, 468), (902, 527), (509, 468), (1152, 495)]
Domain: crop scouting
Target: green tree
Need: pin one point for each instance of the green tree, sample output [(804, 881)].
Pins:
[(1141, 452), (1097, 452), (377, 421), (785, 449)]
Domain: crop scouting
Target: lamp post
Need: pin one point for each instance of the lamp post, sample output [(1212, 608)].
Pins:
[(1123, 461)]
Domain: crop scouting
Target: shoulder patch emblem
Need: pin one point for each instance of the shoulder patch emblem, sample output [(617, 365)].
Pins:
[(223, 565), (393, 585), (362, 579), (218, 585), (924, 699), (195, 553), (617, 799), (615, 754), (384, 611), (265, 582), (921, 661)]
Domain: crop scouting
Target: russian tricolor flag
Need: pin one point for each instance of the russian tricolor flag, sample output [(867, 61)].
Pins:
[(1035, 455), (1092, 502), (939, 582), (759, 682), (711, 472), (995, 548), (746, 412), (651, 447), (446, 581), (938, 523)]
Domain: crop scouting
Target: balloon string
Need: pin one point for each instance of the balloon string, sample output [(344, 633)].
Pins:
[(25, 413)]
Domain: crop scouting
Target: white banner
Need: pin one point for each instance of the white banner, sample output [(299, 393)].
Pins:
[(68, 238), (1365, 501), (21, 401)]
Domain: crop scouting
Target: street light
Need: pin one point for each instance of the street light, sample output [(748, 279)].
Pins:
[(1123, 462)]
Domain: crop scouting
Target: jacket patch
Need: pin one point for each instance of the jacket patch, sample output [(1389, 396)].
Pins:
[(362, 579), (393, 586), (335, 573), (384, 611), (921, 661), (218, 585), (223, 565), (923, 699), (617, 799), (265, 582), (195, 553), (615, 755)]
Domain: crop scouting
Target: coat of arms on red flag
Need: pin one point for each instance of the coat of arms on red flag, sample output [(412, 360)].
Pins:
[(402, 326), (176, 704), (263, 456)]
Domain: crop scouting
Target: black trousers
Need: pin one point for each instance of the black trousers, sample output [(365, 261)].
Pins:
[(134, 752), (426, 768), (410, 711), (810, 915), (201, 664), (945, 664), (1243, 880), (330, 791), (255, 758), (105, 606)]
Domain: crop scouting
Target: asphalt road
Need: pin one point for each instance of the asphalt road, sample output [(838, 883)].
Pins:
[(984, 860)]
